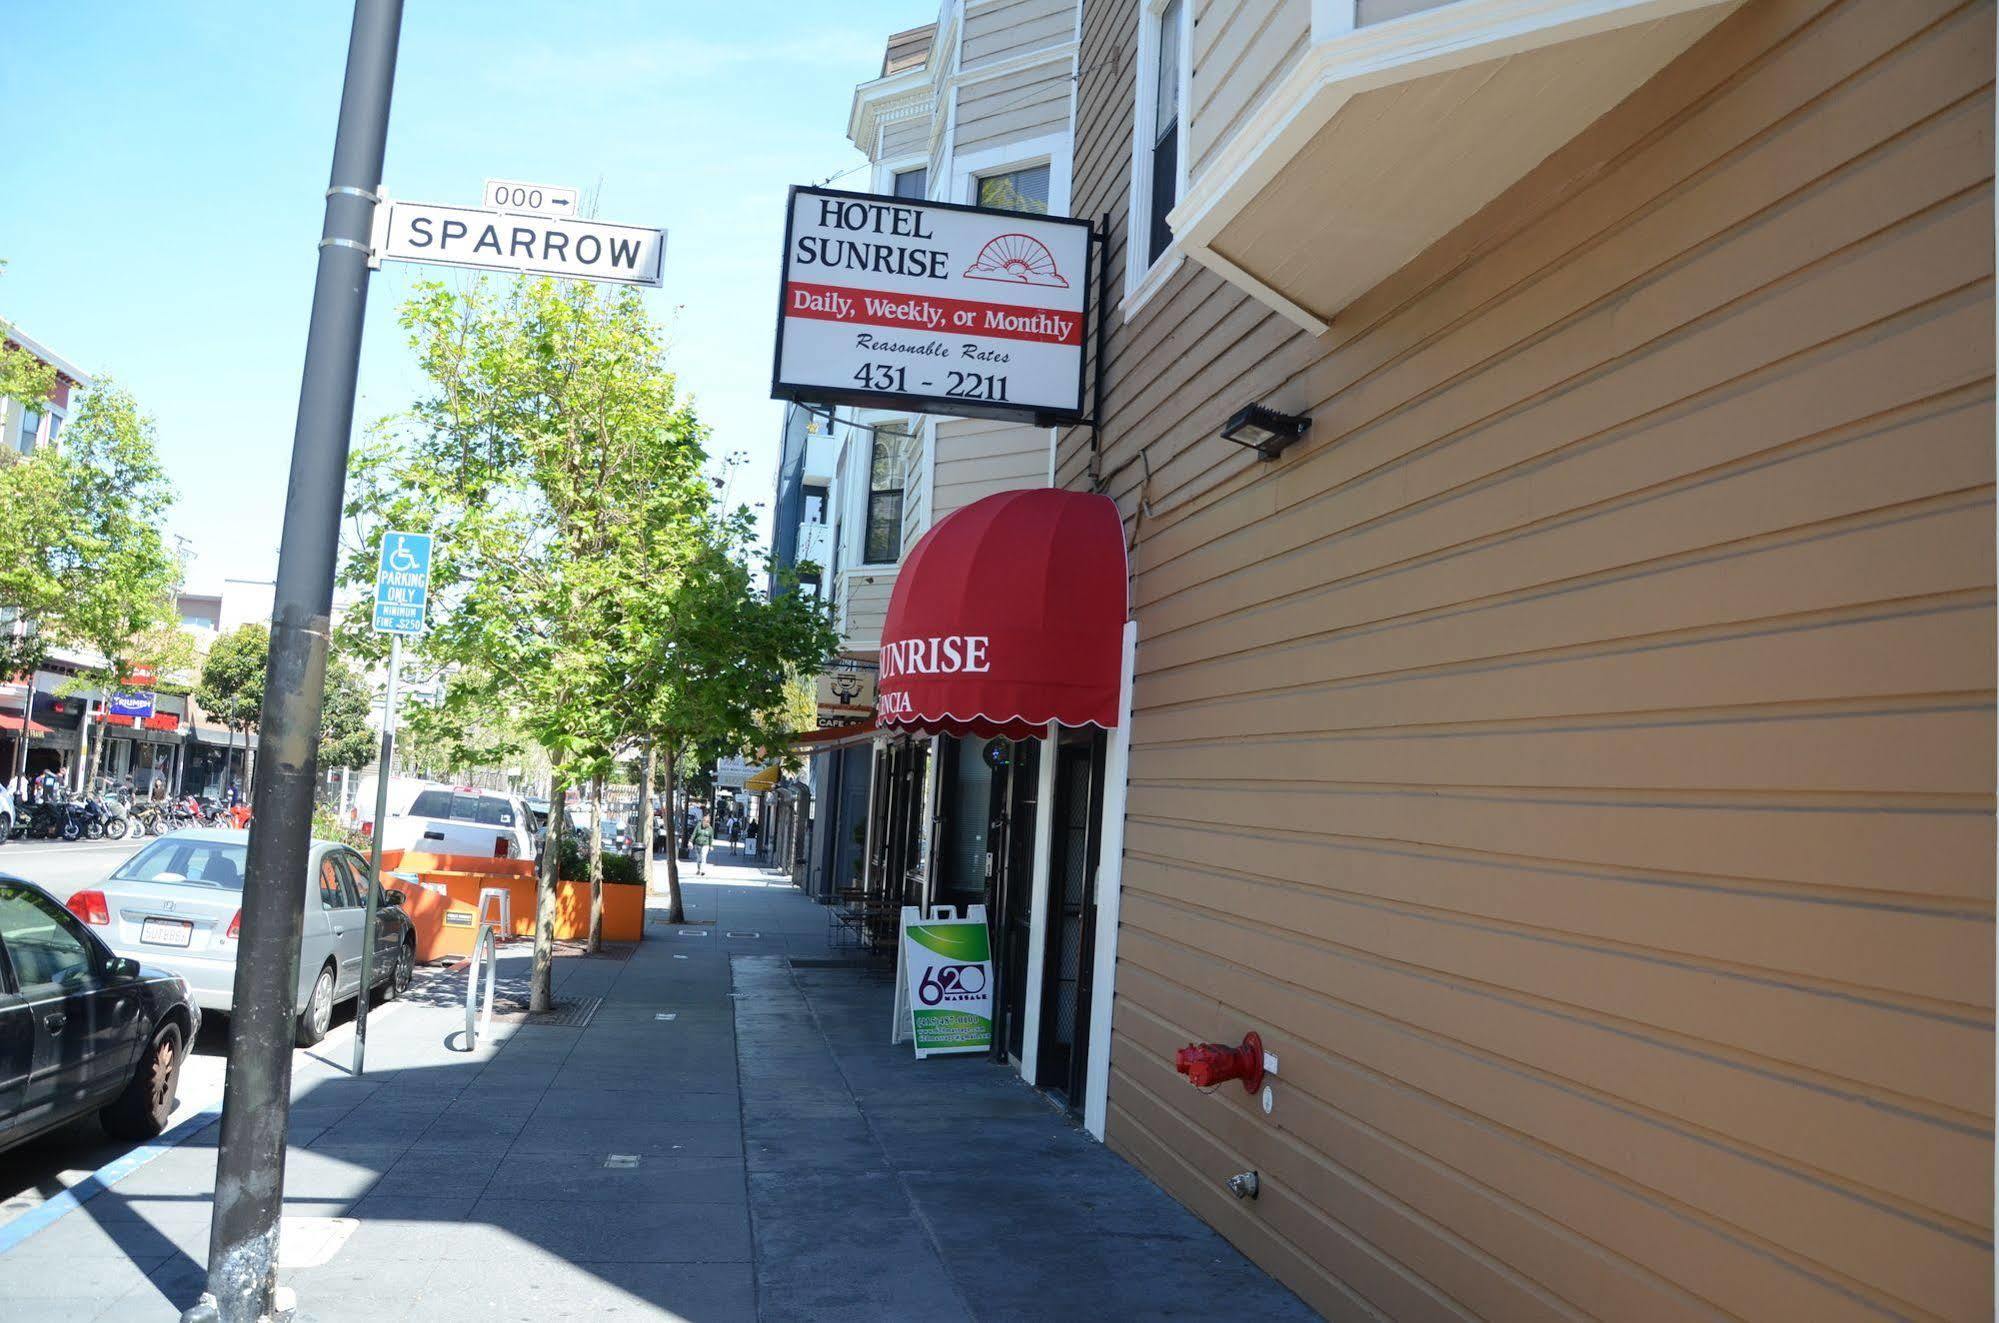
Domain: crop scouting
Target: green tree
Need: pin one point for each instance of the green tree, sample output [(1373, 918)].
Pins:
[(551, 446), (231, 688), (23, 377), (716, 665), (83, 555), (345, 739)]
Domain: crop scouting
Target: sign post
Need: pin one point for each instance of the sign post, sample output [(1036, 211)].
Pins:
[(256, 1096), (402, 599)]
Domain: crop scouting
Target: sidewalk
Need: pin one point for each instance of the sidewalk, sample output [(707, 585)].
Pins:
[(761, 1154)]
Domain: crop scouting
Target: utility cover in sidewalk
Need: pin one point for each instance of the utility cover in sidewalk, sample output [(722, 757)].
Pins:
[(736, 934), (666, 1015), (568, 1013), (620, 1161), (692, 932)]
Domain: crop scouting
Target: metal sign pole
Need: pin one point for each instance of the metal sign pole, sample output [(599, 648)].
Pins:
[(256, 1099), (368, 925)]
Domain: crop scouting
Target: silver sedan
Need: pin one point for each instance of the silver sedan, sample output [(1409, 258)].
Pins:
[(178, 905)]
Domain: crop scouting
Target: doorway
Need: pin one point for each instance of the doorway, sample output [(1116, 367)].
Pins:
[(1076, 841), (1010, 899)]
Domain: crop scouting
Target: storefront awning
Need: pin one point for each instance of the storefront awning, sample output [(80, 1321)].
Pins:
[(1008, 615), (12, 721), (834, 737), (761, 781)]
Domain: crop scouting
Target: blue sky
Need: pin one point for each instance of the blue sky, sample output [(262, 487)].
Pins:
[(166, 164)]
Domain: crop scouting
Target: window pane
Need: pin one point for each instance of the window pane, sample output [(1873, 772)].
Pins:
[(1165, 181), (1166, 87), (1018, 190), (31, 423), (432, 804), (331, 894), (885, 463), (884, 527), (495, 813), (38, 937), (353, 881), (912, 183)]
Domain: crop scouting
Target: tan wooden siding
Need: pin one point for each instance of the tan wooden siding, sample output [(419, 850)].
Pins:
[(1576, 756), (1009, 29), (1240, 48), (976, 458), (915, 492), (905, 137), (1011, 109), (864, 598)]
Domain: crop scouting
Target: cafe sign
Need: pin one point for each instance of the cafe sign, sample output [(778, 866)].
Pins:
[(892, 303)]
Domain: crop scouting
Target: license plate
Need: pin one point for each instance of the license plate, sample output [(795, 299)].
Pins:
[(166, 932)]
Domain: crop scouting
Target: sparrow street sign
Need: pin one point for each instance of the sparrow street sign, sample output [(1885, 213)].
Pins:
[(484, 239), (402, 583), (511, 195)]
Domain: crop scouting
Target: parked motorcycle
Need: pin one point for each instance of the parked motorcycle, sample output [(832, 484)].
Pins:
[(114, 814), (149, 817)]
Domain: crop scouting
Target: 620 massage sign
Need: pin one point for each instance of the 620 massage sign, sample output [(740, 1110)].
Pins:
[(897, 304)]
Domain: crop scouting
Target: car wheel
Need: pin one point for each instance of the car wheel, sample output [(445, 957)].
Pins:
[(404, 972), (317, 1016), (6, 829), (142, 1110)]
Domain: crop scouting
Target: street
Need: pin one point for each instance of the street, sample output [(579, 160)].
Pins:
[(64, 866)]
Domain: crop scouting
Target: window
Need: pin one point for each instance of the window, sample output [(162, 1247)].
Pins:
[(217, 865), (31, 424), (42, 941), (1016, 190), (912, 183), (813, 510), (354, 874), (432, 804), (493, 813), (1156, 128), (332, 895), (883, 544)]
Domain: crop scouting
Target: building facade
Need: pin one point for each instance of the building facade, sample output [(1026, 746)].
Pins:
[(1574, 756), (1553, 445)]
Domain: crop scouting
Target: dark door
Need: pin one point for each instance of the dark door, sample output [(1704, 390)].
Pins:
[(17, 1059), (84, 1023), (1011, 907), (1065, 992)]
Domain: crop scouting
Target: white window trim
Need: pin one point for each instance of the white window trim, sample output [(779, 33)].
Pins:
[(1051, 150), (1141, 282), (886, 171)]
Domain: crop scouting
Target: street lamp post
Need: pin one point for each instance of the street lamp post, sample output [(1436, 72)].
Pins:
[(249, 1169)]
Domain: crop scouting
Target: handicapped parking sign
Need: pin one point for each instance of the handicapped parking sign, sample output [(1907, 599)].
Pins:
[(402, 583)]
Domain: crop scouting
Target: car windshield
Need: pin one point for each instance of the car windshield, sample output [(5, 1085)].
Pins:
[(211, 863)]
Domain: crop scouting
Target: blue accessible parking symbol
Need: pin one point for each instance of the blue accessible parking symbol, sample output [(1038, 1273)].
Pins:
[(402, 583)]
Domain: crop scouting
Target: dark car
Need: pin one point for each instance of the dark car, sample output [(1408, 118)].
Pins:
[(82, 1029)]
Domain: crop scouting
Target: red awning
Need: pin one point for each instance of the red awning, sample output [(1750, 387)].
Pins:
[(12, 721), (834, 737), (1007, 615)]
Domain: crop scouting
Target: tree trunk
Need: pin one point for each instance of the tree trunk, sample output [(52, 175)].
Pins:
[(541, 998), (650, 814), (96, 767), (675, 911), (596, 866)]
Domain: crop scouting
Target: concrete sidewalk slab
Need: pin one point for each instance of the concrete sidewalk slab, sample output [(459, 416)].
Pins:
[(775, 1159)]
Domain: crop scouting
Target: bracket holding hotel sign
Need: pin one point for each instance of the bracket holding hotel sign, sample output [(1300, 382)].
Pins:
[(518, 232), (891, 303)]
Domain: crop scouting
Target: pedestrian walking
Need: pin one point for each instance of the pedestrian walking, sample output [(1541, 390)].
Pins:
[(736, 834), (704, 836)]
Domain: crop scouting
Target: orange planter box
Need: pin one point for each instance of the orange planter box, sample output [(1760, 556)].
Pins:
[(443, 904)]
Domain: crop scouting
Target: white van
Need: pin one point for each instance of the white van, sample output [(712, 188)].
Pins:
[(463, 820)]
